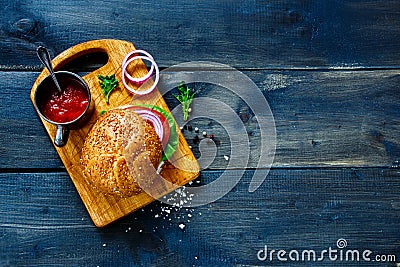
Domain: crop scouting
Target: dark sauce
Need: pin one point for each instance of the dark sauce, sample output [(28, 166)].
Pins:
[(68, 105)]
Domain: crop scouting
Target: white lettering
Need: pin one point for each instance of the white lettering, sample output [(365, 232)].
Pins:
[(330, 254), (291, 255), (281, 255), (321, 258), (392, 258), (365, 255), (262, 254), (355, 255), (309, 254), (271, 255), (333, 255)]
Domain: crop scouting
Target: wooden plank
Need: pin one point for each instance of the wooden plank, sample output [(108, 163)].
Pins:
[(43, 221), (323, 118), (255, 34)]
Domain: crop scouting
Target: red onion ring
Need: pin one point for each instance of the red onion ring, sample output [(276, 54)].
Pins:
[(165, 124), (154, 83), (141, 79), (149, 116)]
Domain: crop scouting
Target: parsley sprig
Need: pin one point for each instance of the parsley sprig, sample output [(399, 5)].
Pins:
[(185, 97), (107, 84)]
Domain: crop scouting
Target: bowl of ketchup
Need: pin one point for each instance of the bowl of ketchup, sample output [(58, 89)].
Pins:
[(67, 109)]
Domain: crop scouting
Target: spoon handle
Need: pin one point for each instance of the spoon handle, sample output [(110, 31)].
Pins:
[(44, 56)]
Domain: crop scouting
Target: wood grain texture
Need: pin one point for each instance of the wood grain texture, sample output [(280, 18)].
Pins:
[(323, 118), (244, 34), (106, 209), (44, 222), (330, 72)]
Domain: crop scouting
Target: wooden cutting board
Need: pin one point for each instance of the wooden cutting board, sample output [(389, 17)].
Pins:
[(104, 209)]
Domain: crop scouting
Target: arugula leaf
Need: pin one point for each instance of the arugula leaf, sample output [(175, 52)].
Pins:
[(107, 84), (185, 97)]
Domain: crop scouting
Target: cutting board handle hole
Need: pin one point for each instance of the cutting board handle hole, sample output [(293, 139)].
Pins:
[(86, 63)]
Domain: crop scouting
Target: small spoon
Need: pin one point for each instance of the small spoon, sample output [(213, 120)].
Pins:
[(44, 56)]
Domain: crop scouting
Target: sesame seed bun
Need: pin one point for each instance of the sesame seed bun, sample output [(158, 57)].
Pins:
[(119, 152)]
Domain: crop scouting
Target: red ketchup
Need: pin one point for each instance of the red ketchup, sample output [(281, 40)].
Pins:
[(67, 105)]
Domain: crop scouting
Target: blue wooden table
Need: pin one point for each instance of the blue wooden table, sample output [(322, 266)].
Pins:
[(330, 72)]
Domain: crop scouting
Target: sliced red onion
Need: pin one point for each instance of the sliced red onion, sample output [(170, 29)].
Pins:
[(141, 79), (154, 83), (149, 116)]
